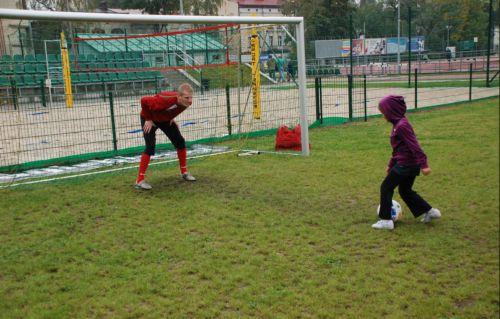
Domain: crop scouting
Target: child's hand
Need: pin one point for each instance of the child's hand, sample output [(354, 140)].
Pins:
[(426, 171), (387, 170)]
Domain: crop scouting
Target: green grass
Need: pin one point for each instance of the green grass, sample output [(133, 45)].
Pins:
[(266, 236)]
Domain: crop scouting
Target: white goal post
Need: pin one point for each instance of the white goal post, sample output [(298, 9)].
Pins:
[(151, 19)]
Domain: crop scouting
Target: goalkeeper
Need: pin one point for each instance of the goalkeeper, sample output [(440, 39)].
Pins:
[(159, 111)]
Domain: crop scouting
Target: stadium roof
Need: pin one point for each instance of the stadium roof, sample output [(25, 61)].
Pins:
[(192, 42)]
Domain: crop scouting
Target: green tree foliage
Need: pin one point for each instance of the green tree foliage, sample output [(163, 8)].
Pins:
[(464, 19)]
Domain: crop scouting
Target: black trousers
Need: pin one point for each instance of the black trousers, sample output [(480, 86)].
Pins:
[(170, 129), (404, 177)]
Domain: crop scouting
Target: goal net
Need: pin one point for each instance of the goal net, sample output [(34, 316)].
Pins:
[(74, 95)]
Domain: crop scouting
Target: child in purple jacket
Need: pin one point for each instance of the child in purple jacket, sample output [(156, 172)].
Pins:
[(407, 160)]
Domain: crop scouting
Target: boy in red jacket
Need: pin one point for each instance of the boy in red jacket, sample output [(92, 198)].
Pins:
[(159, 111)]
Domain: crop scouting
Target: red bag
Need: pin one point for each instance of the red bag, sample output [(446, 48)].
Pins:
[(287, 139)]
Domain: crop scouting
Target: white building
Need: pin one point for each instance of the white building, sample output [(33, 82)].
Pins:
[(13, 32)]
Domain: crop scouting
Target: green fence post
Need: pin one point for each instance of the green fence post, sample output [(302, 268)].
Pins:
[(14, 92), (42, 90), (228, 105), (321, 100), (409, 45), (113, 126), (316, 96), (364, 96), (349, 88), (104, 89), (416, 88), (470, 82), (201, 82)]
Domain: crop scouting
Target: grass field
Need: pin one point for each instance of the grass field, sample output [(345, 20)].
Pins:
[(266, 236)]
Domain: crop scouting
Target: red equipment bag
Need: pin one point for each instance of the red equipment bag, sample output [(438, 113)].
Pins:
[(287, 139)]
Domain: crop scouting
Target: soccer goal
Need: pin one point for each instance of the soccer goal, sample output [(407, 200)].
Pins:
[(74, 94)]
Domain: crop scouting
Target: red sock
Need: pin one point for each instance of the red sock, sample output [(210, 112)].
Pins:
[(143, 167), (182, 154)]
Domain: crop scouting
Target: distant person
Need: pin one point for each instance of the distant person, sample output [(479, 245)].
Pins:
[(448, 54), (406, 162), (159, 112), (291, 71), (280, 65), (271, 66)]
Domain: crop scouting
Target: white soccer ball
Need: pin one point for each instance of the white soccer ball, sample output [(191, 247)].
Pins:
[(396, 211)]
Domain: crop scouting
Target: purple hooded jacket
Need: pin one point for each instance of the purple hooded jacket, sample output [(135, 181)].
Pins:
[(405, 147)]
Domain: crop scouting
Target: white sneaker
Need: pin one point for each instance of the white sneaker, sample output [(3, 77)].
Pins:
[(188, 177), (384, 224), (433, 213), (143, 185)]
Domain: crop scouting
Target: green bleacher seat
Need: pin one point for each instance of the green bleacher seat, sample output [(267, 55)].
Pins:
[(110, 65), (40, 58), (110, 56), (6, 59), (337, 71), (122, 76), (131, 76), (101, 57), (40, 69), (30, 68), (146, 64), (120, 65), (141, 75), (18, 80), (83, 77), (39, 78), (101, 65), (29, 58), (6, 70), (52, 58), (137, 55), (82, 58), (29, 80), (119, 56), (157, 74), (91, 57), (18, 58), (4, 81), (129, 65), (137, 64), (103, 76), (128, 56), (112, 76), (93, 77), (19, 69)]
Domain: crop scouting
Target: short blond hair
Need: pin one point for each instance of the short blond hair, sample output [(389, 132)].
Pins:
[(185, 88)]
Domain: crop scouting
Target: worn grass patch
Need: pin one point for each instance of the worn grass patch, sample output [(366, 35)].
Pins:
[(266, 236)]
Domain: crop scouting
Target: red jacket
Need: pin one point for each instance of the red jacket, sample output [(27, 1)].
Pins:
[(161, 107)]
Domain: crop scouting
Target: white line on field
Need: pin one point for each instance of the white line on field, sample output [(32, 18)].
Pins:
[(106, 171)]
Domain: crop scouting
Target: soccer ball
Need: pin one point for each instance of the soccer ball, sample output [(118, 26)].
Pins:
[(396, 211)]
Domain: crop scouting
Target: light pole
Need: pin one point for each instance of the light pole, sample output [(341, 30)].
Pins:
[(448, 28), (399, 34)]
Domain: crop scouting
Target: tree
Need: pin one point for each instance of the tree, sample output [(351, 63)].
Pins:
[(324, 19)]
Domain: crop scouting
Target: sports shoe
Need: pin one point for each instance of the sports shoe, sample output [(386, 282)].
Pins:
[(143, 185), (188, 177), (433, 213), (384, 224)]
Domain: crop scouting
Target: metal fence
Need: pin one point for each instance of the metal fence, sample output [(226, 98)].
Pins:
[(104, 121)]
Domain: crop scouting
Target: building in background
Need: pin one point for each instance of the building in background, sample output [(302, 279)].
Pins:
[(14, 34), (272, 39)]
